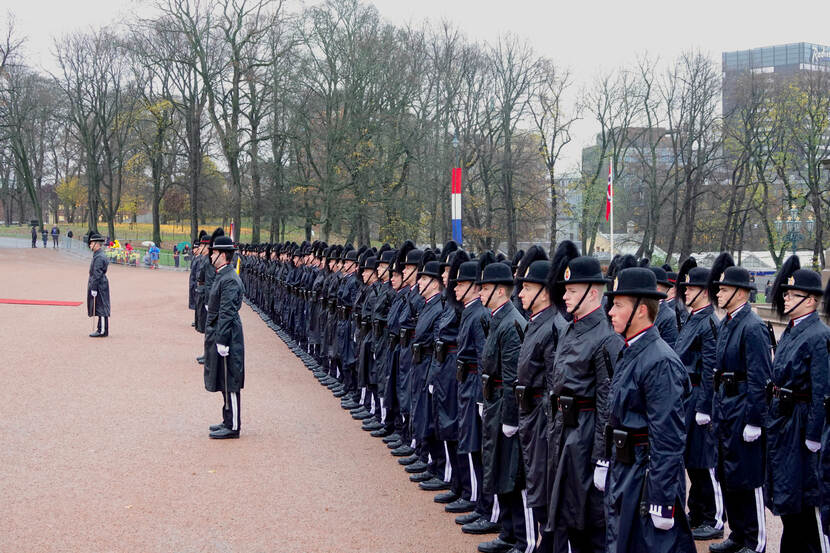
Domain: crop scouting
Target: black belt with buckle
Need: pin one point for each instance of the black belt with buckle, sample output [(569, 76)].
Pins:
[(624, 440)]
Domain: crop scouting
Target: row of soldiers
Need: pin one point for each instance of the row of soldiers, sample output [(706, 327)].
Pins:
[(564, 407)]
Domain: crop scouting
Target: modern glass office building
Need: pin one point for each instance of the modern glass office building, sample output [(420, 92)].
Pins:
[(777, 63)]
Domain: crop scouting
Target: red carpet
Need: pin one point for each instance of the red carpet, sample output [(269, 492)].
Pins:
[(40, 302)]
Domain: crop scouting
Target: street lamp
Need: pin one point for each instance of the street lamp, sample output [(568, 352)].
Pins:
[(793, 226)]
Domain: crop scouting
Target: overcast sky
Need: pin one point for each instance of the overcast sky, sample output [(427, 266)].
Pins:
[(587, 37)]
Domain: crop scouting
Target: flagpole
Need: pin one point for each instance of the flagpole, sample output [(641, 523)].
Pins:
[(611, 200)]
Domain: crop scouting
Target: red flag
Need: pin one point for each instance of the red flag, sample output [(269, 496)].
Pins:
[(610, 193)]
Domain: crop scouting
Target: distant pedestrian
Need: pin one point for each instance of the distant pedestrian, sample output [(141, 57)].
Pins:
[(154, 256), (34, 237), (69, 235), (44, 234), (176, 256), (98, 287), (55, 235)]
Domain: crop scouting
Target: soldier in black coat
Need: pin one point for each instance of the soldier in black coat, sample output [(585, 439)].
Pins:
[(644, 487), (740, 409), (224, 343), (503, 466), (666, 322), (471, 337), (696, 346), (579, 387), (98, 287), (796, 415)]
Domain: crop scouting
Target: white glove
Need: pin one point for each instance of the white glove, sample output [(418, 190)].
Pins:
[(600, 475), (702, 419), (812, 446), (508, 430), (660, 522), (223, 350), (481, 410), (430, 388), (751, 433), (94, 293)]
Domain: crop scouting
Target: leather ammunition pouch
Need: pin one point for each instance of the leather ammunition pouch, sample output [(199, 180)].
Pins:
[(528, 397), (730, 381), (625, 440), (489, 384), (377, 327)]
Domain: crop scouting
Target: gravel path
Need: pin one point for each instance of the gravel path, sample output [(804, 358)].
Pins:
[(105, 445)]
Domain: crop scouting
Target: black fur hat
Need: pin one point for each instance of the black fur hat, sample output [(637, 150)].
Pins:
[(403, 251), (791, 265), (685, 267), (448, 249), (517, 259), (723, 262), (644, 262), (565, 252), (483, 260), (534, 253), (455, 260), (216, 234)]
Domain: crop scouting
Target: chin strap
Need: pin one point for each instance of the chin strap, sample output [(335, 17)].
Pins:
[(694, 299), (796, 306), (487, 303), (631, 318), (579, 303), (530, 307), (727, 302), (467, 291)]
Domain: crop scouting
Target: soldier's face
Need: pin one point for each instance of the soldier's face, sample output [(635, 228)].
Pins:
[(466, 291), (396, 280), (529, 293), (485, 292), (726, 292), (620, 312), (383, 272), (792, 306), (573, 293), (368, 276), (425, 286)]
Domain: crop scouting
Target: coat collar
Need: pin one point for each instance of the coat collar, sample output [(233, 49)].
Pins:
[(505, 309), (646, 339), (589, 321), (804, 325)]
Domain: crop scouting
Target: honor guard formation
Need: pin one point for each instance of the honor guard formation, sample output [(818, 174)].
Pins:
[(552, 405)]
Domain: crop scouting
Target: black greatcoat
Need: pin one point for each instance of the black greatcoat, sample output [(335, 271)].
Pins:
[(696, 346), (98, 281), (666, 323), (225, 327), (537, 353), (649, 390), (743, 348), (471, 340), (586, 348), (800, 365), (501, 455), (191, 287), (442, 376), (424, 336)]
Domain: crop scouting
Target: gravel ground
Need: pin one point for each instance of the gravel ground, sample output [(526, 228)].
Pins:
[(105, 445)]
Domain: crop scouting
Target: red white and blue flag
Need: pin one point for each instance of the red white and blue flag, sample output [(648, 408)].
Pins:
[(609, 195), (455, 195)]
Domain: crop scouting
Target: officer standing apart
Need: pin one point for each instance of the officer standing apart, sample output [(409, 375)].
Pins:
[(796, 413), (740, 408), (503, 471), (224, 344), (644, 488), (98, 287)]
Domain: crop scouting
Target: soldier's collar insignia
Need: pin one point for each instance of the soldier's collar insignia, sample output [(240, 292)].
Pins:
[(567, 273)]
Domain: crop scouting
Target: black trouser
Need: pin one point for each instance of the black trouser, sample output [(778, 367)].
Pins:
[(540, 520), (516, 521), (802, 532), (103, 322), (590, 539), (231, 410), (705, 500), (486, 505), (747, 520), (438, 459)]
